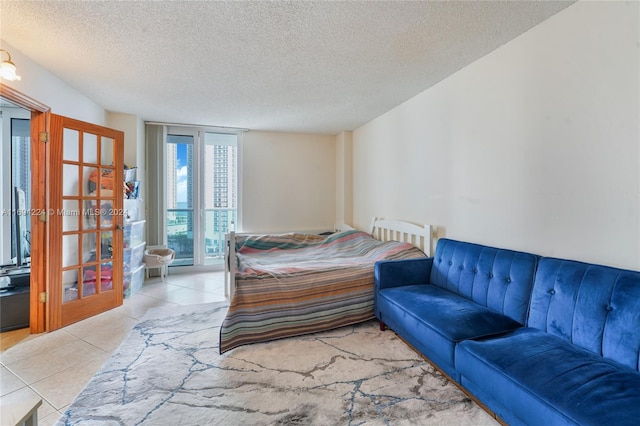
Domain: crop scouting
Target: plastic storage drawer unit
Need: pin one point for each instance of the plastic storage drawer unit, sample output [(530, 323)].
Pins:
[(133, 257), (133, 280), (133, 233)]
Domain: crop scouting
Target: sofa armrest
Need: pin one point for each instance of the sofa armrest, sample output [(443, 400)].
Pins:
[(397, 273)]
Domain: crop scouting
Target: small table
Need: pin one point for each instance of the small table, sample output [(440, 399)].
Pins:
[(22, 413)]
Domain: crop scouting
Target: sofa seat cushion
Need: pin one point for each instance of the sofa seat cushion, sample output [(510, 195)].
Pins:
[(433, 320), (532, 377)]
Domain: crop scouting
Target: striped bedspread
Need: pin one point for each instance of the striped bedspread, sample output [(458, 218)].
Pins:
[(293, 284)]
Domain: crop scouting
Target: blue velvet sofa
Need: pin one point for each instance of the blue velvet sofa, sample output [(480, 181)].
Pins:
[(536, 340)]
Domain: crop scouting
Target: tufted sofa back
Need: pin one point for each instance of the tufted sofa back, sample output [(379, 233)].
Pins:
[(595, 307), (499, 279)]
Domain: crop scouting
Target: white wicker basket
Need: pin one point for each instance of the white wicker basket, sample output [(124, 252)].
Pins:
[(158, 257)]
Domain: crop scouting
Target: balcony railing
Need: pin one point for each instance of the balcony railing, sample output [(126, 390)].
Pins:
[(217, 223)]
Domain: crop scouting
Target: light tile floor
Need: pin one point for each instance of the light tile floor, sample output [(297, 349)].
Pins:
[(56, 366)]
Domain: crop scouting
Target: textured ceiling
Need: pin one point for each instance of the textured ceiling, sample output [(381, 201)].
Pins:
[(319, 67)]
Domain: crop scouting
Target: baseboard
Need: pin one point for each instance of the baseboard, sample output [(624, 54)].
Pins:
[(462, 388)]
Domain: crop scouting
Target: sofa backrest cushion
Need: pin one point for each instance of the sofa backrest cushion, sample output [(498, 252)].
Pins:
[(593, 306), (496, 278)]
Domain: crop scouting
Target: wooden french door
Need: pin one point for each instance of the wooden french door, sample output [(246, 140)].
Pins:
[(85, 220)]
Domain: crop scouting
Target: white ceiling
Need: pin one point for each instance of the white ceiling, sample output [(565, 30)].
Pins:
[(312, 66)]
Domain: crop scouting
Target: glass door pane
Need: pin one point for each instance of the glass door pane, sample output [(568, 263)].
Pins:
[(21, 179), (88, 197), (180, 200), (220, 194), (201, 194)]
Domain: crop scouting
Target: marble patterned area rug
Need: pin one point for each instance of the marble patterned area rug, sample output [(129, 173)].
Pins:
[(168, 372)]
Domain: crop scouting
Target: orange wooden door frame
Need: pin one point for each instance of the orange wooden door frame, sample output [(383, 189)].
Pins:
[(39, 203)]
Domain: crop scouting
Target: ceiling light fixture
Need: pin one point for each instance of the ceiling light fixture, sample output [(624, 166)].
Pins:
[(8, 68)]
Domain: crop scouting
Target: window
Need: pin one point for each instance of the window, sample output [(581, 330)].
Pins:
[(15, 171), (21, 178), (201, 194), (179, 196)]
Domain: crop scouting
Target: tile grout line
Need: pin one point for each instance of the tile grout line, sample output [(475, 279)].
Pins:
[(124, 314)]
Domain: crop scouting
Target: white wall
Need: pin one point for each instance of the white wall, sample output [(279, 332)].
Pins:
[(39, 84), (344, 178), (133, 127), (288, 182), (134, 147), (533, 147)]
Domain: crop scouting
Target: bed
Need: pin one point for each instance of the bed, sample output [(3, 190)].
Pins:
[(284, 285)]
